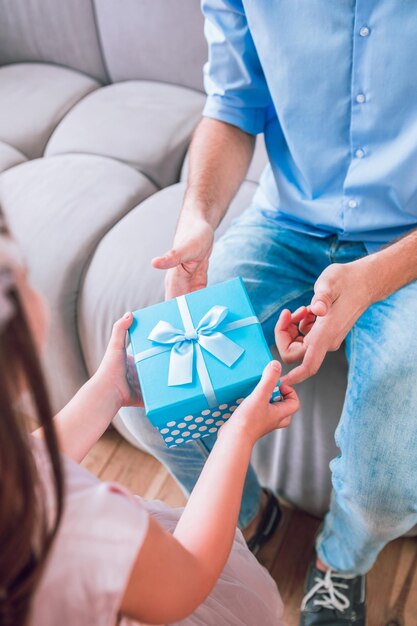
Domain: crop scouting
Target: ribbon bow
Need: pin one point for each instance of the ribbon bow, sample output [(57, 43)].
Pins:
[(184, 343)]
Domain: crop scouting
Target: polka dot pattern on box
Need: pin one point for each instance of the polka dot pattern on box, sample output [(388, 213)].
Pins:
[(203, 424)]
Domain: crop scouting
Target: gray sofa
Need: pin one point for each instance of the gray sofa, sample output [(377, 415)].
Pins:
[(98, 101)]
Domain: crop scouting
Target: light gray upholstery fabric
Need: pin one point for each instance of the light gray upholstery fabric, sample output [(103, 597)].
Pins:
[(34, 98), (59, 209), (9, 156), (259, 160), (120, 277), (153, 40), (145, 124), (56, 31)]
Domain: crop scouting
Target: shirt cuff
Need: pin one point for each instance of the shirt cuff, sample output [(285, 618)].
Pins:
[(250, 120)]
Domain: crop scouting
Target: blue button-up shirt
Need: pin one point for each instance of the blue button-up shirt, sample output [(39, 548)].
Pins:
[(333, 86)]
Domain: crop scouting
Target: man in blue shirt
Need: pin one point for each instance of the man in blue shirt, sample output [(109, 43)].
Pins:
[(333, 87)]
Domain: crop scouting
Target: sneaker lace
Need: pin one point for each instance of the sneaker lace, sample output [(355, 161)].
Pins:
[(329, 592)]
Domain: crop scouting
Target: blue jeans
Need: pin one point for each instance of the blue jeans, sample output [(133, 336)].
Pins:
[(374, 478)]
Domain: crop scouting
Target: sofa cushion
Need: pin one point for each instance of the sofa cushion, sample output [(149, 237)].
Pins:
[(147, 125), (51, 31), (59, 209), (120, 277), (9, 156), (153, 40), (34, 98)]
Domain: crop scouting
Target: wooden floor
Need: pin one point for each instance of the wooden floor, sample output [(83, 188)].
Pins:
[(392, 584)]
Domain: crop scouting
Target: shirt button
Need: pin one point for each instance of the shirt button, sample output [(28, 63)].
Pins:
[(360, 98), (352, 204), (360, 153), (364, 31)]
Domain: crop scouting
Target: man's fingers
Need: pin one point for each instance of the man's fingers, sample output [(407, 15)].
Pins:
[(285, 331), (118, 334), (300, 314), (268, 382), (324, 293), (170, 259), (284, 321), (321, 302), (286, 318), (290, 347), (307, 324), (294, 353), (179, 282), (312, 361)]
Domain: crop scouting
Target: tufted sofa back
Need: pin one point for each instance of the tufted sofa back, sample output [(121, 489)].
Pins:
[(109, 40)]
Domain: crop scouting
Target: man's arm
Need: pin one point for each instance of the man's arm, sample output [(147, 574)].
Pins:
[(220, 155), (236, 110), (393, 267), (341, 294)]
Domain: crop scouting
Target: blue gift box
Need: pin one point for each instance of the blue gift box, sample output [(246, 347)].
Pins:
[(198, 356)]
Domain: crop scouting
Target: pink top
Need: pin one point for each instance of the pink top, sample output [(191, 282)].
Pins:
[(100, 535)]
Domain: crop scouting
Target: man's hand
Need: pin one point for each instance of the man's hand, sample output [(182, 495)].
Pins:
[(220, 155), (341, 294), (187, 261)]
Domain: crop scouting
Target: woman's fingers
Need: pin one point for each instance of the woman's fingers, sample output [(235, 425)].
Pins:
[(288, 405), (288, 392), (118, 335), (270, 377)]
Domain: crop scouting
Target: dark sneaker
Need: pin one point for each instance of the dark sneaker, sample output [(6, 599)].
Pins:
[(333, 599), (268, 523)]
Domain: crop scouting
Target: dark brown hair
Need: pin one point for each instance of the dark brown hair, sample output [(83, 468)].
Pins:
[(26, 532)]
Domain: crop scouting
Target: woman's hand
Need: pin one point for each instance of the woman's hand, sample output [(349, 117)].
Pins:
[(257, 415), (84, 419), (117, 371)]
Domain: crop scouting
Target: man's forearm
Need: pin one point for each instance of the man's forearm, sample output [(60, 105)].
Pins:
[(220, 155), (392, 267)]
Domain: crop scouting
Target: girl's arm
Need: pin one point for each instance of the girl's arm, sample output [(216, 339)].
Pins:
[(84, 419), (174, 574)]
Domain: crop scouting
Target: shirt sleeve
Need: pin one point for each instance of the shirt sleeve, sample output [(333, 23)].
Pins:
[(237, 92)]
